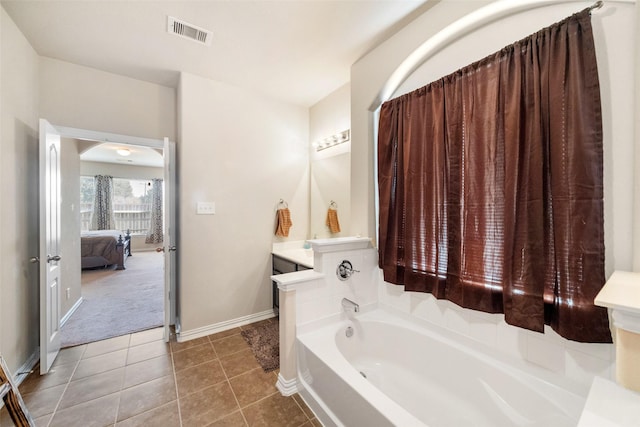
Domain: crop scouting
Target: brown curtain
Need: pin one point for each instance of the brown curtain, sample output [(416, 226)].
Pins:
[(490, 184)]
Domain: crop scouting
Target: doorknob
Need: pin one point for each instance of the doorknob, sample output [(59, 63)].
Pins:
[(160, 249), (34, 260), (172, 249), (53, 258)]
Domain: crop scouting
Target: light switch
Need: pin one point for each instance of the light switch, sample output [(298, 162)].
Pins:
[(205, 208)]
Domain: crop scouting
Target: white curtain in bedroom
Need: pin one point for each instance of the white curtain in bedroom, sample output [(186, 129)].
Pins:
[(154, 235), (102, 216)]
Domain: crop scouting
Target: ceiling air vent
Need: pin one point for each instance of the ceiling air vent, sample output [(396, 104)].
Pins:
[(189, 31)]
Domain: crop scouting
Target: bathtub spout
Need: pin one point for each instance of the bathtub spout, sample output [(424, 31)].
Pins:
[(347, 305)]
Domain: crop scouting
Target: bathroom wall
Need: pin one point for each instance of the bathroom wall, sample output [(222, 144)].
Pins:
[(244, 152), (330, 168), (19, 203), (81, 97), (615, 23)]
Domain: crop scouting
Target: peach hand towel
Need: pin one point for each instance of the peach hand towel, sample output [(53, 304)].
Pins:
[(284, 222), (332, 221)]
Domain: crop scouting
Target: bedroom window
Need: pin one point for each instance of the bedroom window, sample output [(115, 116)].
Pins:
[(131, 203)]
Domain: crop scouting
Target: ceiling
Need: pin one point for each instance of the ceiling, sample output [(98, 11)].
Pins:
[(295, 51)]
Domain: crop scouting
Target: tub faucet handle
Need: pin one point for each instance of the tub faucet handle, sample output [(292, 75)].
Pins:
[(345, 270)]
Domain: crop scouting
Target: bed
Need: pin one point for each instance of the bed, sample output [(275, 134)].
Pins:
[(100, 248)]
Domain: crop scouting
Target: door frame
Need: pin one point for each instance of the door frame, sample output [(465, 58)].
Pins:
[(170, 288)]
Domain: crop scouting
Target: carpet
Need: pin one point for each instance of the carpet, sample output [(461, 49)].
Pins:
[(118, 302), (264, 340)]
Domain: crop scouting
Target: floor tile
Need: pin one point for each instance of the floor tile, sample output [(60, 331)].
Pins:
[(239, 363), (206, 406), (275, 410), (69, 355), (147, 351), (253, 386), (165, 416), (234, 420), (43, 421), (144, 337), (100, 364), (224, 334), (92, 387), (43, 402), (179, 346), (106, 346), (147, 396), (5, 419), (147, 370), (229, 345), (95, 413), (135, 380), (56, 376), (315, 423), (198, 377), (301, 403), (193, 356)]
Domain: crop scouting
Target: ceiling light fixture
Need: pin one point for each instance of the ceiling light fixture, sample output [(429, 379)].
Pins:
[(333, 140), (123, 152)]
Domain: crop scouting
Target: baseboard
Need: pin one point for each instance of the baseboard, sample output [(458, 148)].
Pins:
[(27, 367), (287, 387), (223, 326), (70, 312)]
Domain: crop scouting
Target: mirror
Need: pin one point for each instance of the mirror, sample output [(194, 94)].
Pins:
[(330, 181), (330, 162)]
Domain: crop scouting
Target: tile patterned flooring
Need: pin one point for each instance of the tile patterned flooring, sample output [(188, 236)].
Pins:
[(139, 380)]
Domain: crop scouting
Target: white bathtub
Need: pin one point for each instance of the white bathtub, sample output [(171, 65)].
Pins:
[(395, 372)]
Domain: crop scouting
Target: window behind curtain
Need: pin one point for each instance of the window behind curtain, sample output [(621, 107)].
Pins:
[(131, 204), (490, 184)]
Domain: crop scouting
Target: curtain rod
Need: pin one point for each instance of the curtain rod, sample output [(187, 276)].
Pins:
[(597, 5)]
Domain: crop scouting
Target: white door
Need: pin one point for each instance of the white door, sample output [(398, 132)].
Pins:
[(49, 245), (169, 238)]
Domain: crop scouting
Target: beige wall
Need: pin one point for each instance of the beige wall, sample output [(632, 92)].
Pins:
[(368, 75), (19, 195), (636, 206), (69, 221), (244, 152), (330, 168), (81, 97)]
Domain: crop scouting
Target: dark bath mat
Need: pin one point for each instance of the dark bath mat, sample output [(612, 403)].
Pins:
[(264, 340)]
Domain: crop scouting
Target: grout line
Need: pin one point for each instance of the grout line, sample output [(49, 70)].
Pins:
[(246, 423), (175, 382), (119, 396), (55, 409)]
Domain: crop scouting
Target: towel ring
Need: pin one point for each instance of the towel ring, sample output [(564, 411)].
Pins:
[(333, 205), (283, 204)]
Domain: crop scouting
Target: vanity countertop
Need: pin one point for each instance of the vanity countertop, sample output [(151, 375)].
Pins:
[(299, 255)]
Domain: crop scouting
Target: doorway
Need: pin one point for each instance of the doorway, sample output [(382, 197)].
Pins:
[(72, 143)]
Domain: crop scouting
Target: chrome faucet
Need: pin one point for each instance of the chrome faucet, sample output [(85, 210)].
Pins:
[(347, 305)]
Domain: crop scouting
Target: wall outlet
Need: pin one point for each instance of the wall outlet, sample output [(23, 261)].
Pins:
[(68, 293), (205, 208)]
